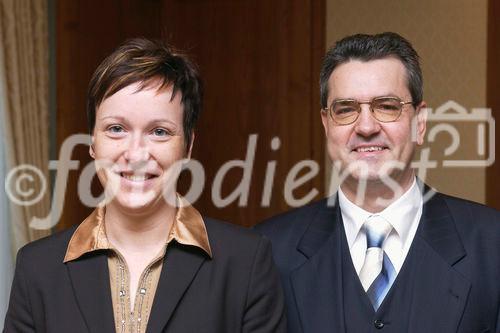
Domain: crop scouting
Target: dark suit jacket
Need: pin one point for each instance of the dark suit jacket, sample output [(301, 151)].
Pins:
[(457, 289), (238, 290)]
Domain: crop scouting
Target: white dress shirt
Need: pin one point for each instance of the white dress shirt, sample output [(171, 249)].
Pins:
[(404, 216)]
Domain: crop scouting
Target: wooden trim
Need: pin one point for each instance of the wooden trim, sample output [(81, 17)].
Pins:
[(260, 61), (493, 98), (318, 38)]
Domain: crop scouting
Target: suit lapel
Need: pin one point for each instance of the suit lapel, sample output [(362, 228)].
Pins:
[(317, 283), (179, 269), (89, 276), (440, 292)]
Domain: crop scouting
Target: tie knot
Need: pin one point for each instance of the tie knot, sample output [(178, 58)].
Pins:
[(377, 229)]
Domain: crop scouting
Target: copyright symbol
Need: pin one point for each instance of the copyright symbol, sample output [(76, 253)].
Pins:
[(19, 185)]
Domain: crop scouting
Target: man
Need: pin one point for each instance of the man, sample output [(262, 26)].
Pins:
[(377, 255)]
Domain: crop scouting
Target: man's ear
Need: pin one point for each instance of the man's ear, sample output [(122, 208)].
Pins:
[(190, 148), (421, 122), (324, 120)]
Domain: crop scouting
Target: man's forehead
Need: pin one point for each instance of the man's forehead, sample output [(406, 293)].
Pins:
[(389, 64), (378, 77)]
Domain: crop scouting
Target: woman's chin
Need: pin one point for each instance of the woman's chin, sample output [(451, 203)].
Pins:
[(136, 203)]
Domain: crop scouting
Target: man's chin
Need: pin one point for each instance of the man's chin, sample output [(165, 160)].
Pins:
[(368, 179), (385, 177), (366, 175)]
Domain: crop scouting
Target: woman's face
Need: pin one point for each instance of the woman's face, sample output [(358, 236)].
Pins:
[(138, 137)]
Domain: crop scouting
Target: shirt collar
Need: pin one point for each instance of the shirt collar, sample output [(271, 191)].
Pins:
[(353, 217), (399, 214), (402, 212), (188, 229)]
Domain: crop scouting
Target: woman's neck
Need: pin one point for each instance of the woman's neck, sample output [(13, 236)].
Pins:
[(138, 232)]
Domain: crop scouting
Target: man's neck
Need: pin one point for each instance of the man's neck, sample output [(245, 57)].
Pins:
[(375, 195)]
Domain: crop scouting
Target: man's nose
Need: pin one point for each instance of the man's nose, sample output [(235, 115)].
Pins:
[(366, 125)]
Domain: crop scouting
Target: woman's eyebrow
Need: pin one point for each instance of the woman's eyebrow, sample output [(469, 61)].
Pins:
[(152, 121)]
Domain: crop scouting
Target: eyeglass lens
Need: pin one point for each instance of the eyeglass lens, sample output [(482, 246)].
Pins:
[(384, 109)]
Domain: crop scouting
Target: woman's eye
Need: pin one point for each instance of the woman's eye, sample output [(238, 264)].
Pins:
[(115, 129), (160, 132)]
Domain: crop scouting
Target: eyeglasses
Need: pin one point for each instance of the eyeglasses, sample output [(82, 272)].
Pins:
[(384, 109)]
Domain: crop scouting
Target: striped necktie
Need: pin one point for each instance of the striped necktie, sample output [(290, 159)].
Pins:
[(377, 273)]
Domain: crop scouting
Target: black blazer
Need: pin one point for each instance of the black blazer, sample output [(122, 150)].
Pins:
[(457, 289), (238, 290)]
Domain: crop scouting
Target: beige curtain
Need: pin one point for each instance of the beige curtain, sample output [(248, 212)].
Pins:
[(24, 57)]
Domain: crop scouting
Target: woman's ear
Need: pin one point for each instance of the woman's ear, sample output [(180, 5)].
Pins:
[(91, 149), (190, 148)]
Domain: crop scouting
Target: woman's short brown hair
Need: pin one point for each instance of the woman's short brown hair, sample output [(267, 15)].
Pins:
[(143, 60)]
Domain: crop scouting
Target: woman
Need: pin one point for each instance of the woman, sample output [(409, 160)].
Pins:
[(145, 260)]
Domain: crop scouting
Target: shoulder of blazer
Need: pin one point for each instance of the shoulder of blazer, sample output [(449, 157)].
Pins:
[(49, 249), (231, 239), (291, 224), (473, 207), (474, 221), (41, 259), (220, 228)]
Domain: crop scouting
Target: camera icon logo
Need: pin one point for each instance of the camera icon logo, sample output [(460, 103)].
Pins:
[(475, 127)]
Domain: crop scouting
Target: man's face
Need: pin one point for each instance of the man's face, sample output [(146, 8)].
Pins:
[(139, 136), (371, 145)]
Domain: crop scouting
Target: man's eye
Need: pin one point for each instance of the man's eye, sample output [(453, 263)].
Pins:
[(388, 107), (344, 110)]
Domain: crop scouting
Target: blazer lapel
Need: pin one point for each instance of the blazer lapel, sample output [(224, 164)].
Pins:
[(317, 283), (89, 276), (180, 267), (440, 291)]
